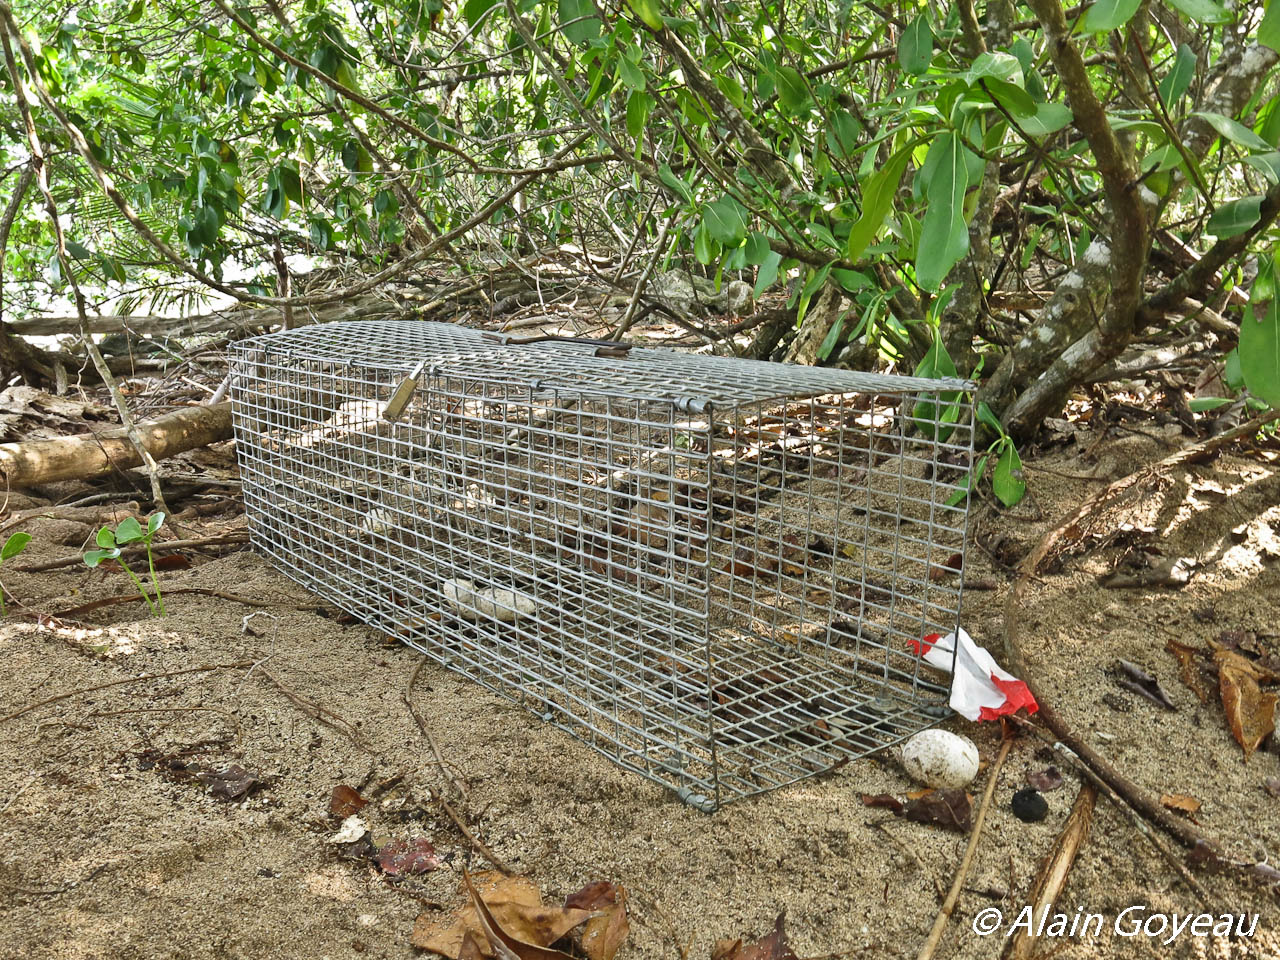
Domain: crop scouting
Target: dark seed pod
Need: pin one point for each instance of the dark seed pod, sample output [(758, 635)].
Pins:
[(1029, 806)]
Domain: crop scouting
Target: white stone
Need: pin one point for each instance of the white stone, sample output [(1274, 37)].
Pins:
[(494, 603)]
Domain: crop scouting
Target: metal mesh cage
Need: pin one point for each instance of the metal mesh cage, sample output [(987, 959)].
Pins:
[(716, 572)]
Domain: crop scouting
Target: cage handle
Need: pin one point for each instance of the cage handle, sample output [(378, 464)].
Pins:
[(604, 348)]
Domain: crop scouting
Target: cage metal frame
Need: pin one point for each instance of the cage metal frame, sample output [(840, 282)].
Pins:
[(384, 464)]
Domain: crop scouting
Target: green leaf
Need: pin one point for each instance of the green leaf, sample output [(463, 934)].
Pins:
[(473, 10), (674, 183), (290, 181), (106, 539), (705, 249), (582, 31), (1049, 118), (726, 221), (321, 233), (111, 267), (816, 279), (1203, 11), (929, 419), (1234, 131), (14, 545), (1232, 375), (1161, 159), (757, 249), (1234, 218), (1006, 479), (94, 557), (962, 491), (1010, 96), (851, 280), (1025, 53), (997, 66), (78, 250), (1175, 84), (944, 235), (987, 417), (1268, 164), (648, 11), (832, 338), (638, 106), (1201, 404), (345, 74), (129, 530), (630, 74), (936, 362), (155, 522), (768, 272), (355, 158), (1269, 28), (842, 133), (1260, 352), (915, 48), (1106, 15), (793, 92), (877, 198)]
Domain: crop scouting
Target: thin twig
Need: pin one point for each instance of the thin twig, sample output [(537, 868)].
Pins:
[(238, 665), (476, 843), (317, 711), (17, 793), (39, 162), (957, 885), (74, 612), (422, 726), (1125, 807), (1053, 873)]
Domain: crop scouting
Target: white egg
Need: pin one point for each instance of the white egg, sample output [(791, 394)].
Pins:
[(940, 759)]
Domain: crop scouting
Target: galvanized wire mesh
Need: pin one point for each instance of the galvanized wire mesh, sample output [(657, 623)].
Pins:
[(712, 571)]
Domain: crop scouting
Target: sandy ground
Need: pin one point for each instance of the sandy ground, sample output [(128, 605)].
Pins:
[(102, 856)]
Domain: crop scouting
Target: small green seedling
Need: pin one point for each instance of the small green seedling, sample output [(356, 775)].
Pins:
[(12, 547), (1006, 477), (129, 531), (938, 424)]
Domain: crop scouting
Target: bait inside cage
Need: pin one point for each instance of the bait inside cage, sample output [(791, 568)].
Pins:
[(716, 572)]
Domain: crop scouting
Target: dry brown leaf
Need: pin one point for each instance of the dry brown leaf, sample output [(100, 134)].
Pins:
[(471, 948), (951, 809), (345, 801), (1251, 714), (948, 568), (515, 905), (605, 931), (407, 857), (594, 896), (774, 946), (886, 800), (505, 945), (1188, 671), (1181, 803)]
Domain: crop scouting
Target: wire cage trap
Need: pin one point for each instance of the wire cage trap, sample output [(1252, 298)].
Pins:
[(716, 572)]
